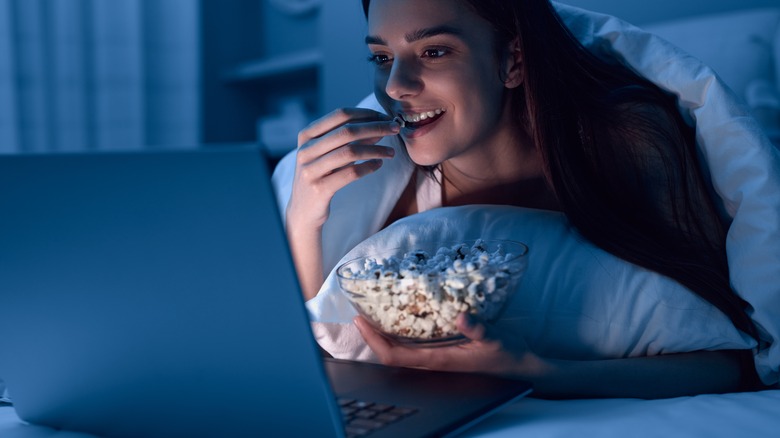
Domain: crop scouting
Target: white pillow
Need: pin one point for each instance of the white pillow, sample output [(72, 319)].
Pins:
[(575, 301)]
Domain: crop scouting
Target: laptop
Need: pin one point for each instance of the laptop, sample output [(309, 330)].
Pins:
[(152, 294)]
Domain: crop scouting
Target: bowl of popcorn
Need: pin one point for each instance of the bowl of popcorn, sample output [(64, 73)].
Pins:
[(414, 297)]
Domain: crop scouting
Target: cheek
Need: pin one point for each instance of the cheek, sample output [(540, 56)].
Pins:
[(467, 81), (473, 91), (489, 91), (480, 112)]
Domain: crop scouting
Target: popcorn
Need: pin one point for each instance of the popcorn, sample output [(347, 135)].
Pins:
[(420, 295)]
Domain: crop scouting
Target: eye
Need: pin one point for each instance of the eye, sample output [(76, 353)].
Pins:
[(435, 53), (379, 59)]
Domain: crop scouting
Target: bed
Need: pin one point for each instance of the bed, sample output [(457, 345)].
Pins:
[(745, 414), (753, 37)]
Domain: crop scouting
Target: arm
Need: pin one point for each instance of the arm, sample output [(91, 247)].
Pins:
[(671, 375), (505, 354), (332, 152)]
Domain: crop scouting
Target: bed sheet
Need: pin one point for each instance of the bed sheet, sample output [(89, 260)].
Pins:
[(754, 414)]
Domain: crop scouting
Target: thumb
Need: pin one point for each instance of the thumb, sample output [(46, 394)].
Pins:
[(471, 327)]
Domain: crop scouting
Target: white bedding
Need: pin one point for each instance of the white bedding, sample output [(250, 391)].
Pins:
[(730, 415)]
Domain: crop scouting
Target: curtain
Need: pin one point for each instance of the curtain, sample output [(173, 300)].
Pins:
[(98, 74)]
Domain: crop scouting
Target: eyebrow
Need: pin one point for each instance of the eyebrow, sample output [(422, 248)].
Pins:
[(419, 34)]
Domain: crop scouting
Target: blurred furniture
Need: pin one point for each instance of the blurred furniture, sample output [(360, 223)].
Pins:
[(269, 71)]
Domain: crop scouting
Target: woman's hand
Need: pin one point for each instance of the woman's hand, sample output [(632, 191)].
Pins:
[(488, 351), (494, 352), (332, 152)]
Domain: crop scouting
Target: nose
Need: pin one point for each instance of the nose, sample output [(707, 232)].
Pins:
[(404, 80)]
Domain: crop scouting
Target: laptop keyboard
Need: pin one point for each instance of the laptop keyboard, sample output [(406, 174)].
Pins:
[(361, 417)]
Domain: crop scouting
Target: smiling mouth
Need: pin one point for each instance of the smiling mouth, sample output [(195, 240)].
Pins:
[(418, 120)]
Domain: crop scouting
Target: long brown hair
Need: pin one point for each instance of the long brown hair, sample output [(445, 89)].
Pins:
[(603, 131)]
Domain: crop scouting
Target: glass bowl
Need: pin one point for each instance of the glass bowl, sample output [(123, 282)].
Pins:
[(413, 297)]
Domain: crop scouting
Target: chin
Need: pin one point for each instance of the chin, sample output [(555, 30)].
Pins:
[(422, 159)]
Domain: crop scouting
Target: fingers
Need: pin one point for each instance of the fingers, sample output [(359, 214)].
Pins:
[(376, 341), (329, 173), (333, 152), (390, 353), (338, 118), (471, 327), (342, 176), (350, 134), (340, 147), (343, 155), (487, 352), (352, 153)]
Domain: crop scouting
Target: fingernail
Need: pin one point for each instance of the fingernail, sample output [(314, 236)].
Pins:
[(390, 152), (395, 127), (358, 322)]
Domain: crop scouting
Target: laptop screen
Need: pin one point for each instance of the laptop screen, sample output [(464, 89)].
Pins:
[(158, 284)]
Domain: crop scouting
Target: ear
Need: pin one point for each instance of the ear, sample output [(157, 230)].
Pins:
[(512, 67)]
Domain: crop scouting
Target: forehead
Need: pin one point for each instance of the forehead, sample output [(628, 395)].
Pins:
[(390, 19)]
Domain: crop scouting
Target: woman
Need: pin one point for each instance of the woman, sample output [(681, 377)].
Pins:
[(502, 86)]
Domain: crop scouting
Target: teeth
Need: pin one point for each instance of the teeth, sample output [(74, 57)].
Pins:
[(414, 118)]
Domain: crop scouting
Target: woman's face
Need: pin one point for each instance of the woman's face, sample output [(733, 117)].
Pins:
[(437, 67)]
